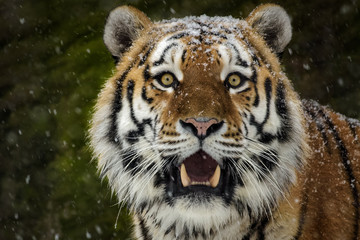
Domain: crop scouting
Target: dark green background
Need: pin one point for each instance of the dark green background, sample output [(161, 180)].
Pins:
[(52, 65)]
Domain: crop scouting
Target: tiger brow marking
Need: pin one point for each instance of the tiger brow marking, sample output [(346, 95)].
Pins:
[(240, 61), (161, 60), (226, 30), (178, 36), (217, 34)]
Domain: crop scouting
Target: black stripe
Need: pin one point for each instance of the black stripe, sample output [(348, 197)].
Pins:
[(146, 55), (226, 30), (255, 59), (116, 107), (144, 96), (161, 60), (130, 161), (186, 233), (239, 62), (183, 56), (116, 59), (146, 73), (144, 230), (246, 128), (267, 138), (318, 120), (202, 24), (133, 136), (267, 160), (179, 35), (303, 212), (256, 101), (268, 90), (261, 229), (352, 129), (243, 91), (171, 228), (195, 233), (251, 231), (130, 95), (253, 78), (203, 32), (217, 34), (282, 111), (142, 206), (347, 164)]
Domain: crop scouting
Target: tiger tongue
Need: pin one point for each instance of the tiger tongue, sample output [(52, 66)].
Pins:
[(200, 166)]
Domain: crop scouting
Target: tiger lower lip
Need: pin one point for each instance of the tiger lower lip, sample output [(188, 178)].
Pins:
[(186, 181)]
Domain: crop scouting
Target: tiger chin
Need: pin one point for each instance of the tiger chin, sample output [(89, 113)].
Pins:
[(201, 134)]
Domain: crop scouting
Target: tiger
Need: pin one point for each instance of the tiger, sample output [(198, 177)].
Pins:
[(201, 135)]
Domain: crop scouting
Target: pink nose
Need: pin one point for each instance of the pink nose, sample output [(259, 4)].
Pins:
[(201, 127)]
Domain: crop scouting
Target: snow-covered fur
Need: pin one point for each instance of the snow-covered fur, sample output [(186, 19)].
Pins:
[(201, 134)]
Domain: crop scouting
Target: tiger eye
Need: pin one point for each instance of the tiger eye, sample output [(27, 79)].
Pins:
[(167, 79), (234, 80)]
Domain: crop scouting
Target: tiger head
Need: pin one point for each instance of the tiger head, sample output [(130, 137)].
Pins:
[(198, 127)]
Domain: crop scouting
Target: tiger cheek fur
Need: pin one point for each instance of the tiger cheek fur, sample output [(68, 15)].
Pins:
[(202, 136)]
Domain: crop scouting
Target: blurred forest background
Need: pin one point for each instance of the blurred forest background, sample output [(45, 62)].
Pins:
[(52, 65)]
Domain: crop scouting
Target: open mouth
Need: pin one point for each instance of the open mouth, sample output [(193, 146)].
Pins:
[(200, 169), (199, 176)]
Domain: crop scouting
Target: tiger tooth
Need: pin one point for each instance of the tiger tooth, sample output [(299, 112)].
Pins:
[(185, 179), (214, 180)]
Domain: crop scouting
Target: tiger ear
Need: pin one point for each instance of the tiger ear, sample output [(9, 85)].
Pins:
[(273, 24), (123, 26)]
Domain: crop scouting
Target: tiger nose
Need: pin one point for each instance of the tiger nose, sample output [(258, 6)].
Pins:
[(201, 127)]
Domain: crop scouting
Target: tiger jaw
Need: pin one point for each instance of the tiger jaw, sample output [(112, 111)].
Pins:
[(203, 173), (200, 176)]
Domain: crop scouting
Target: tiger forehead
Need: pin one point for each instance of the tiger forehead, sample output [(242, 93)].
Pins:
[(204, 43), (199, 25)]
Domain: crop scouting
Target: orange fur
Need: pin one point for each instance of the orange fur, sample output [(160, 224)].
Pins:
[(321, 202)]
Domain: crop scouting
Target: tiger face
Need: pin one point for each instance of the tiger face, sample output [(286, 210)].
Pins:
[(199, 130)]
